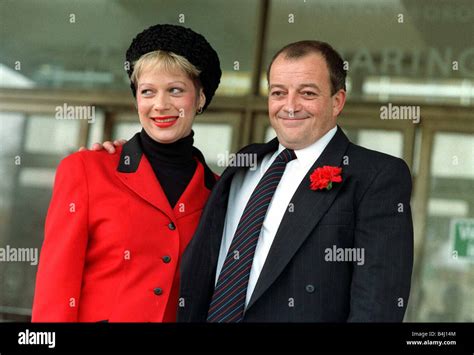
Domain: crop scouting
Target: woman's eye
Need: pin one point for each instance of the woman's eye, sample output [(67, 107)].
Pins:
[(176, 90), (146, 91)]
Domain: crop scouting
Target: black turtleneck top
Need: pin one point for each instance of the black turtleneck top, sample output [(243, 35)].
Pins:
[(173, 164)]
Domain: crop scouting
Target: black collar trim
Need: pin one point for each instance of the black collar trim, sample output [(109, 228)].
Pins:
[(132, 153)]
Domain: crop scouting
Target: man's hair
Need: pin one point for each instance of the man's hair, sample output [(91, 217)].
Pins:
[(337, 74)]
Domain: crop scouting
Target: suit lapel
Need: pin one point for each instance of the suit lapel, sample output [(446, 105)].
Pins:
[(136, 173), (309, 208)]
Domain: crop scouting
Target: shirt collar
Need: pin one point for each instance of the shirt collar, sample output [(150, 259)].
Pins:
[(307, 156)]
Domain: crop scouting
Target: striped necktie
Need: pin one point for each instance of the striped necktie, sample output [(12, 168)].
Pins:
[(228, 300)]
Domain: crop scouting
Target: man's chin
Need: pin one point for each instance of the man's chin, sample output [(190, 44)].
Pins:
[(291, 142)]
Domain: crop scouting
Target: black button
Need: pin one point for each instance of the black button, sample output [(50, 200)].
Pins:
[(171, 226), (166, 259), (309, 288), (157, 291)]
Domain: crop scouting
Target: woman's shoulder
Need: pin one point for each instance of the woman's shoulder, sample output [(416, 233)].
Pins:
[(91, 158)]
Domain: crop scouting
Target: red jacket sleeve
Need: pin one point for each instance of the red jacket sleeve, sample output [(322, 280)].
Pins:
[(59, 276)]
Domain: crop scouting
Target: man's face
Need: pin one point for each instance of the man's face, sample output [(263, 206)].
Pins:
[(300, 104)]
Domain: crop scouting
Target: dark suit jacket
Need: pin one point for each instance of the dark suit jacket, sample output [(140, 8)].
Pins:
[(369, 209)]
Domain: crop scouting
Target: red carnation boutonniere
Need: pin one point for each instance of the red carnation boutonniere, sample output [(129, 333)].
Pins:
[(322, 178)]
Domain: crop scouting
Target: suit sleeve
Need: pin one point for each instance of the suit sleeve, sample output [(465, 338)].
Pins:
[(384, 231), (59, 276)]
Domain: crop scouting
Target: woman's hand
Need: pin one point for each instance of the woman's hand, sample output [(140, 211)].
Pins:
[(107, 145)]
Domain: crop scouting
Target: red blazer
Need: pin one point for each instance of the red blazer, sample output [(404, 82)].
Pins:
[(113, 243)]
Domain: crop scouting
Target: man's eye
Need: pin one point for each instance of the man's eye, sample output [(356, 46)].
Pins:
[(277, 93), (309, 93)]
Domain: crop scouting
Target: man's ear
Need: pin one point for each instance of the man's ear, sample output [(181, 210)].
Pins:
[(338, 101)]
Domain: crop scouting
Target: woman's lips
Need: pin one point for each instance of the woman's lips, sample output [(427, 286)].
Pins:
[(164, 121)]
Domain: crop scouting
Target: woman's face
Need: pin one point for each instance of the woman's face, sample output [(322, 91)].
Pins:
[(167, 103)]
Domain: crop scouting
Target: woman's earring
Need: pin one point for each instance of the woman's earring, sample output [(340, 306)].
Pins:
[(199, 111)]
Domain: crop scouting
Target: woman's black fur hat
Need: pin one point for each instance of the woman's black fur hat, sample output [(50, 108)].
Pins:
[(182, 41)]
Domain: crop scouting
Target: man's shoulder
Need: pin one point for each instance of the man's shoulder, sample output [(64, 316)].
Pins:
[(379, 172), (372, 160)]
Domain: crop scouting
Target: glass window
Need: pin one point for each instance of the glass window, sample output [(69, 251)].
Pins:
[(82, 44), (453, 156), (447, 273), (125, 130), (214, 140), (434, 65), (270, 134), (10, 159), (44, 134), (32, 147), (96, 133), (385, 141)]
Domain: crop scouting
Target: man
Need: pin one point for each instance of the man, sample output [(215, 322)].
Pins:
[(321, 231)]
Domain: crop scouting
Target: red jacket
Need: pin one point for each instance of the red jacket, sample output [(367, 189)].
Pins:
[(112, 242)]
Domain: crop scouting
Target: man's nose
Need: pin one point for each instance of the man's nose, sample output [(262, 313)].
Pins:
[(292, 104)]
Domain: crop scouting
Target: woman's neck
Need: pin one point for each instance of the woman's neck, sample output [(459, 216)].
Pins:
[(177, 153)]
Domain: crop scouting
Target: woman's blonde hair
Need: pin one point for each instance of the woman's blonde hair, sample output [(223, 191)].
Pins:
[(168, 61)]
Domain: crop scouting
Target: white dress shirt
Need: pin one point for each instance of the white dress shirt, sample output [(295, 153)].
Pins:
[(242, 186)]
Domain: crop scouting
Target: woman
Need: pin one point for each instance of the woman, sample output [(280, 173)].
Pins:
[(118, 224)]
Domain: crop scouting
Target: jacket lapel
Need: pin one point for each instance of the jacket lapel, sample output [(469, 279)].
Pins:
[(309, 207), (136, 173)]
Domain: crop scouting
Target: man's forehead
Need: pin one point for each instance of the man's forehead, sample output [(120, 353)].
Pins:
[(294, 70), (310, 65), (311, 58)]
